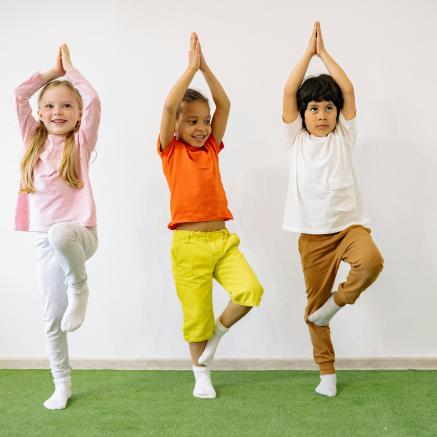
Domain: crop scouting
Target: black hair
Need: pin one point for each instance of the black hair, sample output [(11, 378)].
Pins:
[(317, 89), (192, 96)]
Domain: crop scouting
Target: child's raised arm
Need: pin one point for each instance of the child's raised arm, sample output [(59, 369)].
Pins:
[(26, 90), (90, 119), (221, 100), (290, 110), (56, 71), (174, 98), (339, 76)]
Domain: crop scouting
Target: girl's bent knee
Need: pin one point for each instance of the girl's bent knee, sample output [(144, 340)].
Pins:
[(59, 235)]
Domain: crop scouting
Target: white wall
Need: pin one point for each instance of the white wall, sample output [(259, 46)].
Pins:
[(133, 51)]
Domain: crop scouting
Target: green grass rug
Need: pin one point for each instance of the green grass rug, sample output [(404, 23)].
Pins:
[(249, 403)]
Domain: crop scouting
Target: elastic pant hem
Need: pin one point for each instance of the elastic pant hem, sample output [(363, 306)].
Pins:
[(327, 368)]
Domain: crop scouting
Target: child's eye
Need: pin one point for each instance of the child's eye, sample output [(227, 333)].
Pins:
[(67, 105), (49, 106), (329, 108), (313, 109), (208, 122)]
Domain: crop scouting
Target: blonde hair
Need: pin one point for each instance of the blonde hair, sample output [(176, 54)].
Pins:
[(67, 168)]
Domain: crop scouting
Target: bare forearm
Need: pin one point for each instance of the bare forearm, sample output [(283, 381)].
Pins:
[(221, 100), (337, 73), (289, 103), (297, 75), (176, 94), (49, 75), (219, 95)]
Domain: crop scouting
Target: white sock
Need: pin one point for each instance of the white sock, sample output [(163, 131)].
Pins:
[(207, 356), (325, 313), (58, 400), (328, 385), (75, 312), (203, 386)]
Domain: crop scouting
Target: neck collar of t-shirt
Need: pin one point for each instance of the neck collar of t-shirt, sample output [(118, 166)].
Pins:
[(316, 139), (55, 141), (193, 148)]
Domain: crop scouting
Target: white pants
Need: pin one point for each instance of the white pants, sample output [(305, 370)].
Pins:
[(61, 254)]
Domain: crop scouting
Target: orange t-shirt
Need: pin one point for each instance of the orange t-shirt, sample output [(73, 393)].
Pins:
[(193, 176)]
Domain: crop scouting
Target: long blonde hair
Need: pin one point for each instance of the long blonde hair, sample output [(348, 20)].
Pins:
[(67, 168)]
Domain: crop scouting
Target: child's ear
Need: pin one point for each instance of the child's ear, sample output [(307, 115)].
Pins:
[(79, 119)]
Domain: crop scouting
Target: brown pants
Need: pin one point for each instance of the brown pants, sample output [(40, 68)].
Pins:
[(321, 256)]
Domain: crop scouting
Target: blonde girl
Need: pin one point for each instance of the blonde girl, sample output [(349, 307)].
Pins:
[(56, 202)]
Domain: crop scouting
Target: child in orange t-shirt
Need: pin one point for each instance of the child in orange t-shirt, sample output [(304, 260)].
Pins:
[(202, 249)]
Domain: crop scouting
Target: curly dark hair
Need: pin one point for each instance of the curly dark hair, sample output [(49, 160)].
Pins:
[(192, 96)]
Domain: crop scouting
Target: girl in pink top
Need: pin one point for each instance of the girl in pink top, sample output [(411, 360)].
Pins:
[(56, 202)]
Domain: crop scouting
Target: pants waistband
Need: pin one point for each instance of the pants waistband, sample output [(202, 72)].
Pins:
[(334, 234), (200, 235)]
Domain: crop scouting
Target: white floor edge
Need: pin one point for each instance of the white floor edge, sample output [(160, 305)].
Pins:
[(376, 363)]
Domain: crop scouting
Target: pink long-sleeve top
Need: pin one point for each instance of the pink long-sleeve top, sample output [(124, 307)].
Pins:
[(54, 201)]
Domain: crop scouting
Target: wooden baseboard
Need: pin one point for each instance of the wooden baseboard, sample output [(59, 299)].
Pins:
[(379, 363)]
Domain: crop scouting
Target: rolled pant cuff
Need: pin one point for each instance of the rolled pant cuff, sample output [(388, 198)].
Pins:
[(198, 339), (338, 300), (247, 302)]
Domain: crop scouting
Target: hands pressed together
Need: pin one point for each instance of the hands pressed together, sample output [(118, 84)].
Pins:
[(63, 64), (196, 59), (316, 46)]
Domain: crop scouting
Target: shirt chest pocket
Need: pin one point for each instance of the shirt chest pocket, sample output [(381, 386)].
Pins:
[(342, 192)]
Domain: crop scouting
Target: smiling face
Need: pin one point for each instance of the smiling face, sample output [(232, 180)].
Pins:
[(59, 110), (193, 125), (320, 118)]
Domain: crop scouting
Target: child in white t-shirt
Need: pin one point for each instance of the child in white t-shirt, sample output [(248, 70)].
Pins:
[(324, 203)]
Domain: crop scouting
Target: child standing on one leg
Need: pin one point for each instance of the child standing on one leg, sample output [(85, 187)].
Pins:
[(324, 203), (56, 202), (189, 144)]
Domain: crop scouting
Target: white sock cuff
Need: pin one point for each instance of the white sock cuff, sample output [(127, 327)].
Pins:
[(202, 369), (329, 377), (65, 380), (220, 328)]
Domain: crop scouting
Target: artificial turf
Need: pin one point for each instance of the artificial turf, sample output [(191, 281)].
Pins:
[(249, 403)]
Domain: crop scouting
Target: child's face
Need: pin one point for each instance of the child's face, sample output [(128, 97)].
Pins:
[(320, 118), (59, 110), (193, 125)]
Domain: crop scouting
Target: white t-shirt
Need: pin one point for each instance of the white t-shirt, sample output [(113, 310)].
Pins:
[(323, 194)]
